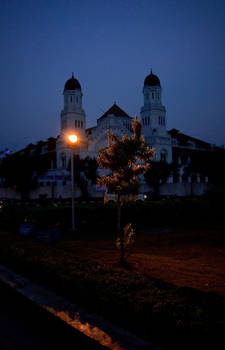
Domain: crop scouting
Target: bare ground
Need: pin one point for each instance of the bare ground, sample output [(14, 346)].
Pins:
[(184, 257)]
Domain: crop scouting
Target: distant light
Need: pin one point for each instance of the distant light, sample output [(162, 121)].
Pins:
[(73, 138)]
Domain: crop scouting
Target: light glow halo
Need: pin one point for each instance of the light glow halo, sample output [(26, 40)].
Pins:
[(73, 138)]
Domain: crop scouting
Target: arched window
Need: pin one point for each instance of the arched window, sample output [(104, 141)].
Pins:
[(63, 158), (163, 155), (75, 123), (71, 98), (153, 95)]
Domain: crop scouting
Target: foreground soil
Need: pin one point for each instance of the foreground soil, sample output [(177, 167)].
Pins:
[(183, 257), (172, 290)]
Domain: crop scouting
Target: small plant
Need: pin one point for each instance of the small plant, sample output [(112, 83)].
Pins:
[(126, 241)]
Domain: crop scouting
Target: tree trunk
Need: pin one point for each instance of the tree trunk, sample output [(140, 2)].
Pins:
[(120, 233)]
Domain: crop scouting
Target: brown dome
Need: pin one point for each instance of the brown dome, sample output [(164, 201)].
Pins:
[(152, 80), (72, 84)]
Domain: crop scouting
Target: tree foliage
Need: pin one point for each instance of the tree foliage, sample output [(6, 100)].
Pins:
[(21, 171), (126, 159), (128, 241)]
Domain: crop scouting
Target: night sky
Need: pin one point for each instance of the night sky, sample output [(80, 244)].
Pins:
[(110, 45)]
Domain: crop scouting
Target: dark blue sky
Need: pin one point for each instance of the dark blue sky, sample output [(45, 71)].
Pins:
[(110, 45)]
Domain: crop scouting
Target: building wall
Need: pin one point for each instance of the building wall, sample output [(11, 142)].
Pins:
[(184, 189), (118, 125), (55, 192), (59, 191), (9, 193)]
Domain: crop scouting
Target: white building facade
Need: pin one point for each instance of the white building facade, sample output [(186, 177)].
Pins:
[(170, 145), (73, 119), (153, 117)]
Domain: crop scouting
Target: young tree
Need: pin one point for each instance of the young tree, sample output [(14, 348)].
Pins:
[(126, 159)]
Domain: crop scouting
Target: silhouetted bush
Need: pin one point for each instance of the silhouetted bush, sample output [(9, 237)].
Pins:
[(92, 218)]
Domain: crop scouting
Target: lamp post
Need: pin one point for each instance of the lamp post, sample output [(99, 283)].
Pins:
[(73, 139)]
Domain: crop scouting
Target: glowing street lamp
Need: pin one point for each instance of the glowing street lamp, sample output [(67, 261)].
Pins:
[(73, 138), (72, 141)]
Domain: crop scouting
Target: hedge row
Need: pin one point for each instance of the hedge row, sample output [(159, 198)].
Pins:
[(94, 217)]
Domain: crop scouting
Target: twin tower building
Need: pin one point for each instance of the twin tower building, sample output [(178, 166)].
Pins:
[(73, 118)]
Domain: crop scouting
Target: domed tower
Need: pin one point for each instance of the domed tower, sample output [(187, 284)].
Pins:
[(73, 120), (153, 116), (73, 116)]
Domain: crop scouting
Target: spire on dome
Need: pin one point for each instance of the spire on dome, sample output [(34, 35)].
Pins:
[(72, 84), (152, 80)]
